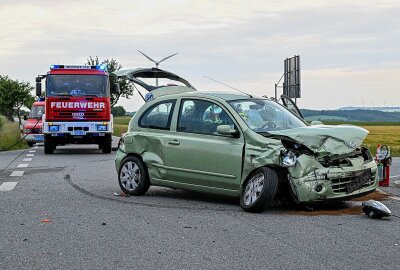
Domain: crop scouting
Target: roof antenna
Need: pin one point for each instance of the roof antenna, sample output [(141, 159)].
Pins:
[(228, 86)]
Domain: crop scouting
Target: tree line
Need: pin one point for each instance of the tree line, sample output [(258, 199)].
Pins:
[(14, 95)]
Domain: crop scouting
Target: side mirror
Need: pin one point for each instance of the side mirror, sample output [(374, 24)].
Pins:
[(25, 117), (38, 86), (315, 123), (115, 88), (375, 209), (227, 130)]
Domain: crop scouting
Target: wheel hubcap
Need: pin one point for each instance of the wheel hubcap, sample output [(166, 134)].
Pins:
[(253, 189), (130, 175)]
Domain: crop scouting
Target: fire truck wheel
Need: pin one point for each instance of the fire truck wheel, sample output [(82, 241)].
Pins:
[(48, 146), (133, 177), (106, 145)]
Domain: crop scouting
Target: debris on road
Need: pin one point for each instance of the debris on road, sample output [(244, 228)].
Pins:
[(46, 220), (122, 194)]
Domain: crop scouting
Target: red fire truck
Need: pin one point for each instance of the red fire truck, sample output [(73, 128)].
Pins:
[(33, 124), (78, 108)]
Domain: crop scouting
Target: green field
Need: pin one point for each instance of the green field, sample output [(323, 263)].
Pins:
[(121, 124), (387, 133), (10, 134)]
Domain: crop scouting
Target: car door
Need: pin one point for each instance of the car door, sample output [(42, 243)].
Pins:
[(291, 106), (154, 127), (196, 154)]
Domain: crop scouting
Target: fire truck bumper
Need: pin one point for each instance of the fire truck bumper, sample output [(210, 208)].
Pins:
[(77, 128), (34, 138)]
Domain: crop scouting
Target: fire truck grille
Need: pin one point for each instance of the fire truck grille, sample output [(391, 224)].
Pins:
[(36, 131), (76, 115)]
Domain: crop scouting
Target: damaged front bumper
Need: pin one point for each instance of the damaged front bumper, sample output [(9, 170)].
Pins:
[(312, 182)]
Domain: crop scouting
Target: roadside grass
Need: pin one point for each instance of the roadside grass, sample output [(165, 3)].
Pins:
[(10, 134), (119, 129), (122, 120), (121, 124)]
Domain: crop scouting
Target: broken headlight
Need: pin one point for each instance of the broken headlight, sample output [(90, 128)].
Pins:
[(289, 159)]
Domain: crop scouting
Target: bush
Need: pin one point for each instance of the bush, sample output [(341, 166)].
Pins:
[(10, 134)]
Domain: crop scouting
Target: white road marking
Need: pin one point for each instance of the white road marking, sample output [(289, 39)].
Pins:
[(30, 155), (6, 186), (22, 165), (17, 173), (395, 176), (27, 159), (35, 147), (32, 151)]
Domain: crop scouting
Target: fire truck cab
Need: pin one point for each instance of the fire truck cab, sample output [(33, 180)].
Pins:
[(33, 124), (78, 108)]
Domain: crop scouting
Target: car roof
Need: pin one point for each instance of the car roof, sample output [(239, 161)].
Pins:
[(216, 94)]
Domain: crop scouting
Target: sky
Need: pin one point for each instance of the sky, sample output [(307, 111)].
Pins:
[(349, 50)]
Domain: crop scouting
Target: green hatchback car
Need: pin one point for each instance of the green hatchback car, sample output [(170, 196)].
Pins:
[(239, 145)]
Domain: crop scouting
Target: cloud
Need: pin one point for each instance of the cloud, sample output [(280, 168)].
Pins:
[(342, 44)]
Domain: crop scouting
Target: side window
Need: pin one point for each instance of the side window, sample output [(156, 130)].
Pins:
[(203, 117), (158, 116)]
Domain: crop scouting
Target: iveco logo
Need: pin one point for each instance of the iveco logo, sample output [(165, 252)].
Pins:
[(353, 144), (78, 115)]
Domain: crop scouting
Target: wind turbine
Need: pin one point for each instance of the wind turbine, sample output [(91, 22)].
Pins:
[(157, 62)]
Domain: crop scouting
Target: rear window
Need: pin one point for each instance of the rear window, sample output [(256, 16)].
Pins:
[(158, 116)]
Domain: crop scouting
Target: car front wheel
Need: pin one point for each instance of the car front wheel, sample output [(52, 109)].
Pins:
[(133, 178), (259, 190)]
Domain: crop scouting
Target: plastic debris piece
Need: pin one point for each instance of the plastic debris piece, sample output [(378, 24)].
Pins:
[(46, 220), (122, 194)]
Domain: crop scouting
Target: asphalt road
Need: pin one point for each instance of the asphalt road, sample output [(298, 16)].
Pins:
[(62, 214)]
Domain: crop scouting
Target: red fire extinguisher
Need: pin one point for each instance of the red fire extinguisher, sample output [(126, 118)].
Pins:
[(384, 161)]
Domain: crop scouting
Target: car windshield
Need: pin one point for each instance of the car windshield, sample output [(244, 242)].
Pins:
[(263, 115), (77, 85), (36, 112)]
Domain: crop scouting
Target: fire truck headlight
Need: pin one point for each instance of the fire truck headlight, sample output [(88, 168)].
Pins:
[(101, 127), (54, 128)]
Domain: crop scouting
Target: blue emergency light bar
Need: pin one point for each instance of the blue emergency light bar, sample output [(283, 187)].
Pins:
[(99, 67)]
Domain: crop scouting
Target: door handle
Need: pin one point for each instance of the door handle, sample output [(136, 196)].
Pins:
[(174, 142)]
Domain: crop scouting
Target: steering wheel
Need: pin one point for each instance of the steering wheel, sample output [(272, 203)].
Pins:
[(269, 125)]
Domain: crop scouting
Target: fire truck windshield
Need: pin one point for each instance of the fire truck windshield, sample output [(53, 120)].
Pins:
[(36, 112), (77, 85)]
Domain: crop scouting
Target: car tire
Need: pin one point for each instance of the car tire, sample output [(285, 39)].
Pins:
[(259, 190), (48, 145), (31, 144), (133, 177)]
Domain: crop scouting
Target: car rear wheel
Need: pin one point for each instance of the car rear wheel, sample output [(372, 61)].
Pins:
[(31, 144), (133, 178), (259, 190)]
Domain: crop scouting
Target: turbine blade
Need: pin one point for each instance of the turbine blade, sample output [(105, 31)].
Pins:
[(165, 58), (148, 57)]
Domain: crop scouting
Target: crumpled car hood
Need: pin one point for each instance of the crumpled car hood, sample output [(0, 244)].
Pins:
[(326, 140)]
